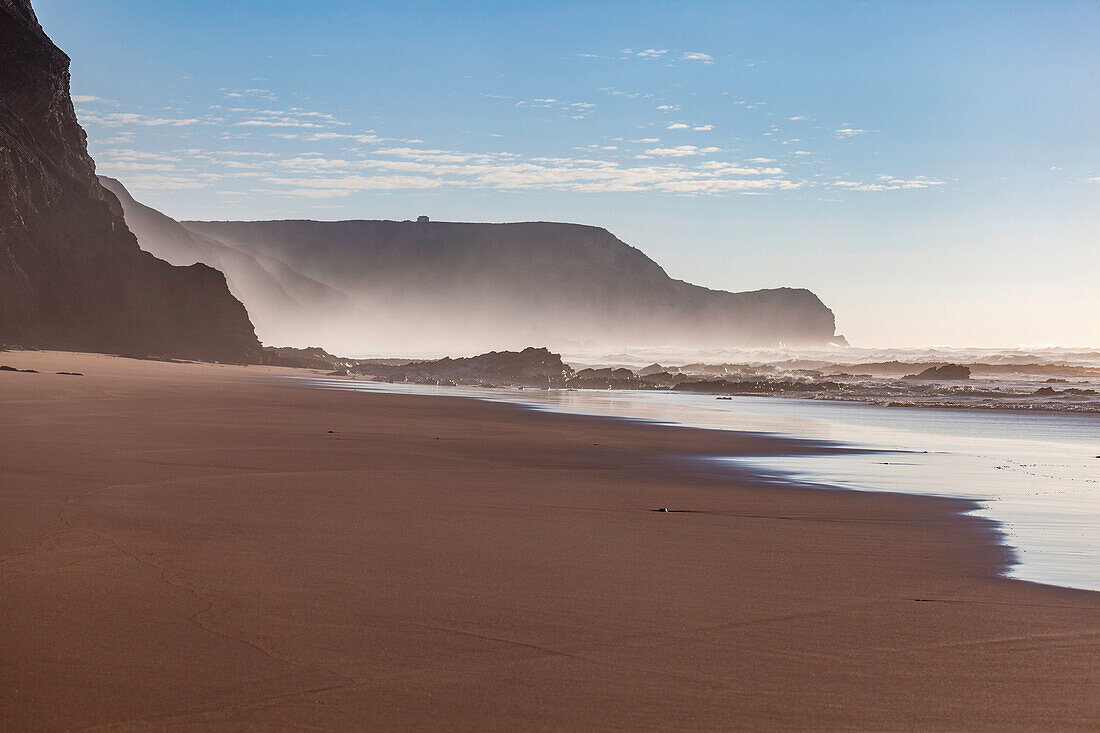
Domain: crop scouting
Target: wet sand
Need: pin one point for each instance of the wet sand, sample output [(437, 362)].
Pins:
[(194, 546)]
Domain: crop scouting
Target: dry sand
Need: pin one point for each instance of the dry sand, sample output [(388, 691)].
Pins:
[(199, 547)]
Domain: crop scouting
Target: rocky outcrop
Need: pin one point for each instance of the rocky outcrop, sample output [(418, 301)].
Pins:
[(312, 357), (947, 372), (534, 367), (71, 274), (473, 286), (285, 306)]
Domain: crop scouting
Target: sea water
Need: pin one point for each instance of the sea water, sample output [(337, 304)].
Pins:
[(1036, 474)]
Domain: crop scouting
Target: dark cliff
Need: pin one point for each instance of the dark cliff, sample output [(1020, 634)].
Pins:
[(285, 307), (498, 285), (71, 274)]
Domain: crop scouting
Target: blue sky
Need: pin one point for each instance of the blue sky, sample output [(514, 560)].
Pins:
[(931, 170)]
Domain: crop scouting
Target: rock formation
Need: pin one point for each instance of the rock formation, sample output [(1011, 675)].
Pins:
[(947, 372), (71, 274), (535, 367)]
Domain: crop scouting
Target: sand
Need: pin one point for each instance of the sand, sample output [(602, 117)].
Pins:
[(195, 546)]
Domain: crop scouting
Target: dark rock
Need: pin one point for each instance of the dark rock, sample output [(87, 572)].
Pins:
[(947, 372), (652, 369), (72, 374), (747, 387), (72, 275), (533, 367), (313, 357)]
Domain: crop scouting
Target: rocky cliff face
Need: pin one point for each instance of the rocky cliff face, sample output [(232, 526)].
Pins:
[(285, 306), (71, 274), (473, 286)]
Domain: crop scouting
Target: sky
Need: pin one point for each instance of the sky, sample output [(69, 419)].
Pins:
[(930, 169)]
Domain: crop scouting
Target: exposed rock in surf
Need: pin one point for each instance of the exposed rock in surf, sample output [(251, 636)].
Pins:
[(534, 367), (763, 387), (947, 372), (1069, 392), (313, 357)]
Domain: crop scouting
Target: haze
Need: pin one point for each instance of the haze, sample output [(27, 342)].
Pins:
[(931, 171)]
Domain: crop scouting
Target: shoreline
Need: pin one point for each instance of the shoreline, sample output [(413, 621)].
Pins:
[(434, 560), (868, 400)]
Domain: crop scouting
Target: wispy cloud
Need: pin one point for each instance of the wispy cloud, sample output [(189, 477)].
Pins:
[(680, 151), (122, 119), (887, 183), (705, 58)]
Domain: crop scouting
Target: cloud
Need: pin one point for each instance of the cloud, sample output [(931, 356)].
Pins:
[(677, 126), (345, 185), (705, 58), (78, 98), (120, 119), (397, 168), (737, 170), (680, 151), (849, 132), (652, 53), (366, 138), (668, 108), (797, 117), (703, 128), (277, 122), (802, 152), (264, 94), (888, 183), (577, 110)]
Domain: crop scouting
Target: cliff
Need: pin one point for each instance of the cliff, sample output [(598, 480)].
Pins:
[(466, 286), (71, 274), (285, 306)]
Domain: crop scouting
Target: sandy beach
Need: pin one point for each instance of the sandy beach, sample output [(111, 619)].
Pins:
[(199, 546)]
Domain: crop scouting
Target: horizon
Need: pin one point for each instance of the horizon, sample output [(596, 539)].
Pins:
[(904, 187)]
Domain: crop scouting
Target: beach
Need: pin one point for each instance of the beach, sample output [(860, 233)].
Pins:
[(188, 545)]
